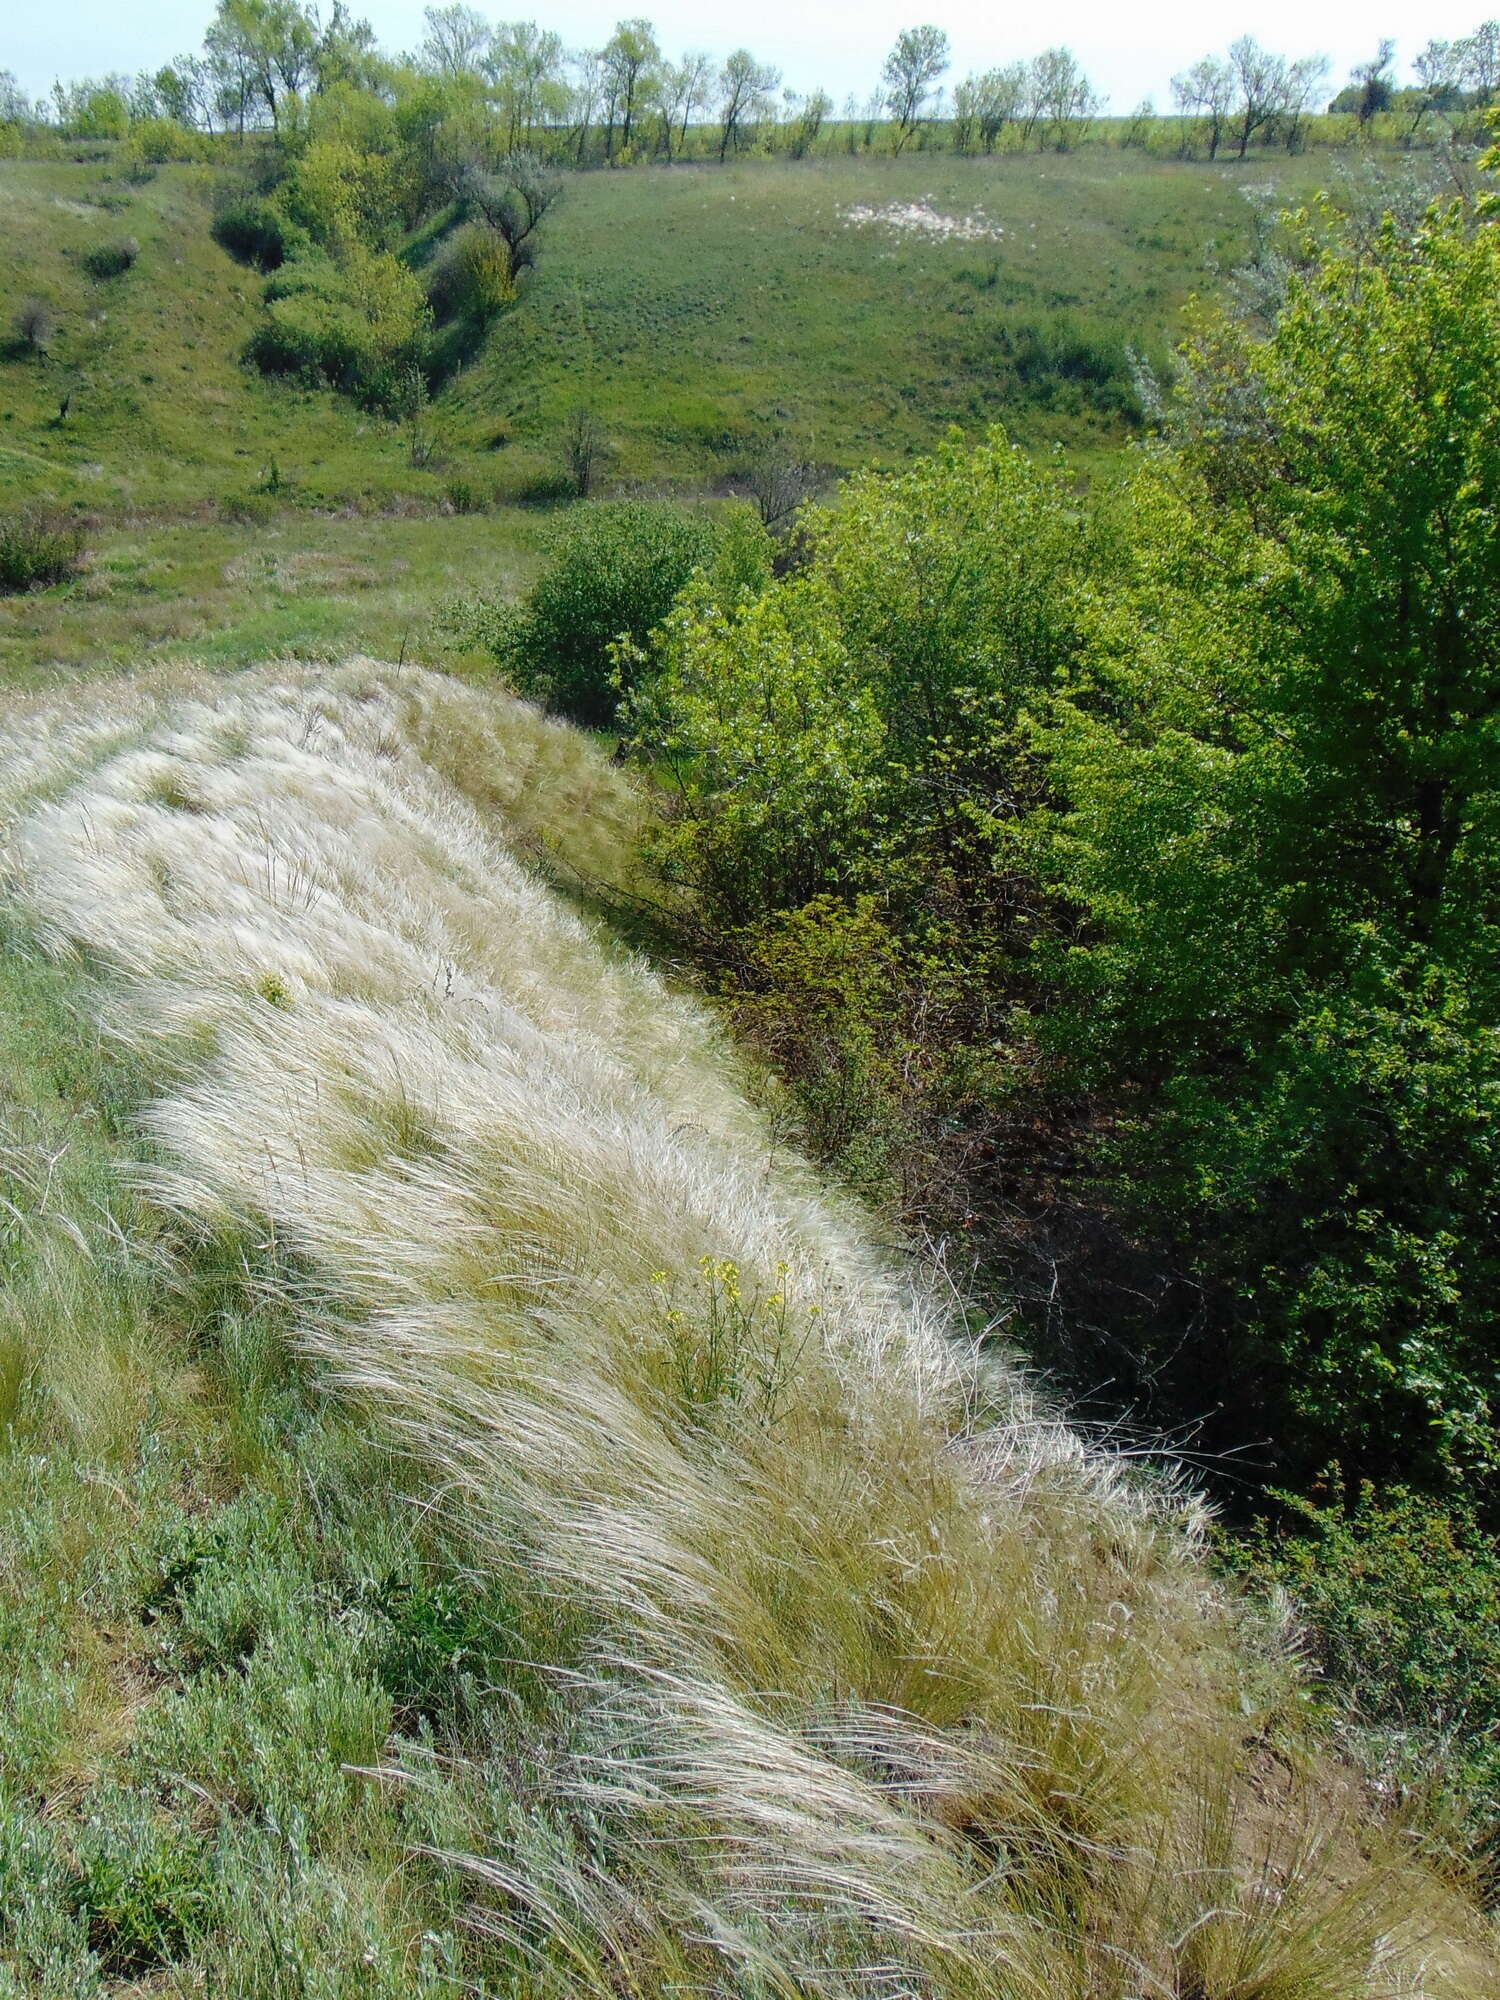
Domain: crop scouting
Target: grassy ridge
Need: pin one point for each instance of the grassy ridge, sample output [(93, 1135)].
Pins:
[(743, 1635)]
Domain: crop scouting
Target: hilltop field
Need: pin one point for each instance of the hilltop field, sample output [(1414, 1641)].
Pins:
[(698, 310)]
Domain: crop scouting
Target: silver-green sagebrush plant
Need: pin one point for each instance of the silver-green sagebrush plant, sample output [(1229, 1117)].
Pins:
[(840, 1666)]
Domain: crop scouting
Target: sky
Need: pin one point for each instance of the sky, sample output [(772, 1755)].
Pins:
[(837, 45)]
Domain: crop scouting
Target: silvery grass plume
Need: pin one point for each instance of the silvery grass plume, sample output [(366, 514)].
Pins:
[(884, 1684)]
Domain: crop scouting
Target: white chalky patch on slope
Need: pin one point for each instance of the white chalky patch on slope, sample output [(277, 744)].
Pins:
[(920, 218)]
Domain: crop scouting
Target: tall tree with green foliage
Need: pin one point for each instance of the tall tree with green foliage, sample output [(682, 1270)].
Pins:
[(632, 61), (1283, 774), (912, 71)]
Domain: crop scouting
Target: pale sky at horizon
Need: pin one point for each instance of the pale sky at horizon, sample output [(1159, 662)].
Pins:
[(834, 44)]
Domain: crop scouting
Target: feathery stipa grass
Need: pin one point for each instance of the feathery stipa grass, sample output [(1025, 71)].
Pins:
[(778, 1641)]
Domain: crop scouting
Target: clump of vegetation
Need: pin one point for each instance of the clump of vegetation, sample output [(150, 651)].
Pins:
[(38, 548), (614, 570), (359, 325), (1164, 820), (252, 509), (113, 259), (1400, 1593), (585, 451), (35, 327), (253, 231), (1067, 364), (469, 277), (155, 141), (466, 496)]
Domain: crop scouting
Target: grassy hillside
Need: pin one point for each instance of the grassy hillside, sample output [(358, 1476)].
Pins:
[(482, 1520), (695, 310), (233, 591), (162, 414), (696, 307)]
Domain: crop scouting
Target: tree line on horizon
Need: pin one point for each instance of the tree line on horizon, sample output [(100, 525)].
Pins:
[(263, 62)]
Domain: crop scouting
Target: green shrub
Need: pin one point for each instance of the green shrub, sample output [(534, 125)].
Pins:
[(616, 570), (469, 276), (111, 260), (853, 726), (464, 496), (35, 327), (327, 339), (544, 489), (252, 231), (247, 510), (1069, 364), (37, 549), (1400, 1594), (1282, 829), (359, 324), (154, 141), (143, 1886), (307, 270)]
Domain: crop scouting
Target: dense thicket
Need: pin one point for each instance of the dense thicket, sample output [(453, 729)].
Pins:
[(1123, 872)]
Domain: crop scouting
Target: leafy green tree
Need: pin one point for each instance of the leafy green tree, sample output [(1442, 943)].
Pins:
[(457, 40), (616, 569), (856, 725), (632, 62), (274, 43), (911, 74), (1284, 804), (94, 109), (524, 64), (984, 105), (745, 88)]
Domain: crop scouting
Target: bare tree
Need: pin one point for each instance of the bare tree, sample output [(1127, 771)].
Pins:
[(910, 76), (457, 40), (1373, 83), (684, 90), (585, 97), (1206, 91), (1261, 84), (585, 449), (1306, 85), (35, 327), (745, 88), (1439, 72), (513, 201), (780, 482), (984, 105), (1479, 61)]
